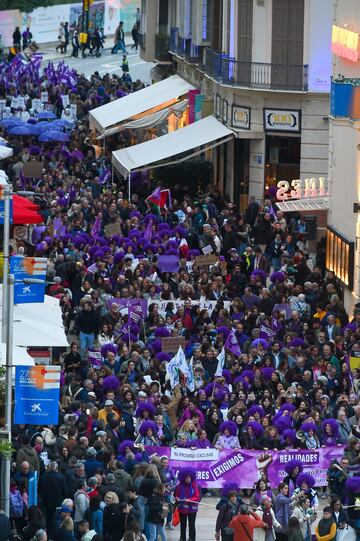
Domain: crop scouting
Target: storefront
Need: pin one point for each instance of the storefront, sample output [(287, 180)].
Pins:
[(282, 145), (340, 257)]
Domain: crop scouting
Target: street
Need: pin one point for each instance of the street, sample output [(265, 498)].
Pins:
[(107, 63)]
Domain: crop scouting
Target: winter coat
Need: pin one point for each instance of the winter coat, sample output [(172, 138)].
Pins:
[(52, 488), (28, 453), (189, 492)]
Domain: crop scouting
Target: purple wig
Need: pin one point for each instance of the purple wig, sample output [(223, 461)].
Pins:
[(124, 445), (282, 423), (353, 484), (257, 428), (147, 425), (230, 426), (267, 372), (305, 478), (259, 342), (289, 434), (256, 409), (249, 374), (145, 406), (187, 472), (111, 382), (288, 407), (277, 276), (333, 425), (108, 347), (291, 465), (307, 426), (259, 273), (162, 332), (229, 487), (161, 357), (297, 341)]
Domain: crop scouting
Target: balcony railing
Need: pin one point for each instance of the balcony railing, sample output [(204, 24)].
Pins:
[(141, 39), (255, 74), (162, 46)]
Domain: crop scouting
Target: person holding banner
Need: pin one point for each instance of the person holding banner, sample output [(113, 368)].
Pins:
[(187, 494), (226, 513)]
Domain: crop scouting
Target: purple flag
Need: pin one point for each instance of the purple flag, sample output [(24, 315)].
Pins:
[(266, 333), (148, 231), (232, 344), (169, 263), (96, 228), (105, 176), (135, 313), (57, 223), (271, 211), (94, 358)]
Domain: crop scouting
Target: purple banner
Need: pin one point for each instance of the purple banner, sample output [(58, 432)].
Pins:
[(169, 263), (126, 303), (244, 467)]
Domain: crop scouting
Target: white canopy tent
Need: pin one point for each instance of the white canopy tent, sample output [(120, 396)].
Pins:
[(202, 135), (20, 356), (132, 105)]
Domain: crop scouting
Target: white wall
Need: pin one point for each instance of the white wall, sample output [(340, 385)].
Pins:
[(261, 31), (317, 43)]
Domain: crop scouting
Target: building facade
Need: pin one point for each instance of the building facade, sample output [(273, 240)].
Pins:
[(266, 64)]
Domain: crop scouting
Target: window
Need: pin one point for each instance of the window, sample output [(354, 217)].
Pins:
[(340, 257), (206, 19)]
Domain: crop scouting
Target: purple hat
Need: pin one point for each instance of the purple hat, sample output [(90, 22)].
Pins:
[(333, 424), (146, 425), (291, 465), (230, 426), (257, 428), (229, 487), (353, 484), (305, 478), (111, 382)]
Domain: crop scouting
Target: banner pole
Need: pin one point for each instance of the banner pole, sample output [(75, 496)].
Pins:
[(8, 386), (7, 199)]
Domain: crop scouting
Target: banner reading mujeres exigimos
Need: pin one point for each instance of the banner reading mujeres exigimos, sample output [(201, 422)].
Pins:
[(244, 467)]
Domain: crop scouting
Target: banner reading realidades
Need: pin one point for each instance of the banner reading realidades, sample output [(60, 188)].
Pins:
[(216, 468)]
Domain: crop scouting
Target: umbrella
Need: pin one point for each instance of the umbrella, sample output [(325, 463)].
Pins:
[(64, 124), (46, 115), (5, 152), (57, 136), (11, 122), (20, 130)]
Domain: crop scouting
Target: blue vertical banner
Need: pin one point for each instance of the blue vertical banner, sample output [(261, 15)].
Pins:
[(2, 207), (32, 489), (37, 390), (24, 268)]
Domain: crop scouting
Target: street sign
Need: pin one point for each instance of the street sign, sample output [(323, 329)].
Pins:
[(2, 206), (37, 390), (26, 268)]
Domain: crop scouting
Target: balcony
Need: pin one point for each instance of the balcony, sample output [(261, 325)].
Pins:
[(255, 74), (141, 39), (162, 46)]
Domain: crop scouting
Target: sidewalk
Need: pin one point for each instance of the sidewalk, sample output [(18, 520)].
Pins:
[(49, 53)]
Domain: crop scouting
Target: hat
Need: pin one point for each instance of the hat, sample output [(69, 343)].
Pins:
[(65, 509), (92, 394), (110, 477), (91, 451), (109, 403), (142, 394), (101, 433)]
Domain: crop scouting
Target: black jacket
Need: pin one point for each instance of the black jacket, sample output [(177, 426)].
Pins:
[(52, 488), (88, 322), (155, 505)]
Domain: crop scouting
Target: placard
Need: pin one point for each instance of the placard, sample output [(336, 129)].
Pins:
[(2, 105), (65, 100), (20, 102), (283, 120), (240, 117), (171, 344), (13, 103), (202, 260), (44, 97), (32, 169), (73, 110), (112, 229), (36, 104)]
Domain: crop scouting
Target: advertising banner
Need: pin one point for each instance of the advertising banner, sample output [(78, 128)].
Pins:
[(37, 391), (216, 468), (26, 268)]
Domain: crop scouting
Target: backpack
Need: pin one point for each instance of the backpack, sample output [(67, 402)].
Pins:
[(16, 504)]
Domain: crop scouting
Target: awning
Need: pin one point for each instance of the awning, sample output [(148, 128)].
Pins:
[(205, 133), (24, 216), (139, 102), (26, 203), (302, 205)]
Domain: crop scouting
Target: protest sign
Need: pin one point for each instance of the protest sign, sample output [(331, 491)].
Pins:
[(203, 260), (112, 229), (65, 100), (37, 391), (355, 360), (245, 467), (44, 97), (32, 169), (171, 344)]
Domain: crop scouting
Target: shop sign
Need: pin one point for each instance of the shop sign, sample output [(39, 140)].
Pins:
[(302, 189), (240, 117), (344, 43), (282, 120)]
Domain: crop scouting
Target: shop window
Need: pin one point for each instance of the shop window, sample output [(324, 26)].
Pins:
[(340, 257), (282, 159)]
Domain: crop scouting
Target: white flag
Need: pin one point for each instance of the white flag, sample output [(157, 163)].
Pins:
[(190, 378), (221, 363), (177, 363)]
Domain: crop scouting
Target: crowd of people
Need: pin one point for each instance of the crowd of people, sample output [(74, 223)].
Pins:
[(285, 381)]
